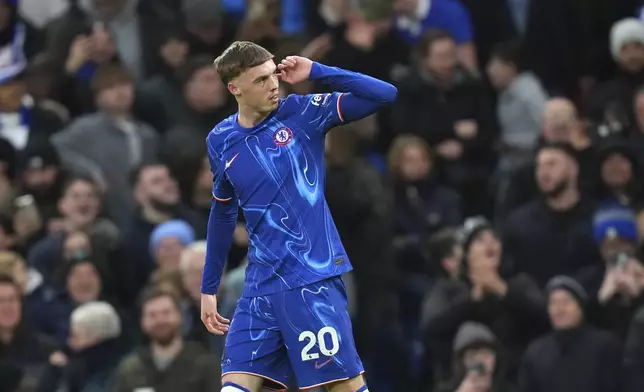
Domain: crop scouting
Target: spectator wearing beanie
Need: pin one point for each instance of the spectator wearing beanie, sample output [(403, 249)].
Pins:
[(613, 287), (575, 356), (42, 176), (513, 308), (477, 363), (627, 50), (167, 242)]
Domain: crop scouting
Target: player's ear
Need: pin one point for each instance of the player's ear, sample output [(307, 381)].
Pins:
[(234, 90)]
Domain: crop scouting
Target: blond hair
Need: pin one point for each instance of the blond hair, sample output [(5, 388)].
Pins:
[(397, 150), (8, 262)]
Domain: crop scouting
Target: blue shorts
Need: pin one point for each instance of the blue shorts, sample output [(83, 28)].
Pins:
[(305, 332)]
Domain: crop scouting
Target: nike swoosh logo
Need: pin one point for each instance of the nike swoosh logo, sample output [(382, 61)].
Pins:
[(230, 162), (323, 364)]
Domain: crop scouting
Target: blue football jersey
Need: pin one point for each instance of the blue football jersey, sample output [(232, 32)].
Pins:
[(275, 171)]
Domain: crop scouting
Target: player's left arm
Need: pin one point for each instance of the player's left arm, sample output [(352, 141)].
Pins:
[(357, 96)]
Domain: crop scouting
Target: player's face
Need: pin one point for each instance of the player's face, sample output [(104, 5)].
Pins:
[(258, 87), (161, 320), (564, 311)]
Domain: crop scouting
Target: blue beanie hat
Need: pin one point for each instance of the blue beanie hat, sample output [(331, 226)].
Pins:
[(176, 228), (615, 221)]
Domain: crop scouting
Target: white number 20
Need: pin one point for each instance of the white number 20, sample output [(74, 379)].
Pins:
[(319, 339)]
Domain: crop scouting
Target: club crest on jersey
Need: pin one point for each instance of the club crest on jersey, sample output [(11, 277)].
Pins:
[(283, 136)]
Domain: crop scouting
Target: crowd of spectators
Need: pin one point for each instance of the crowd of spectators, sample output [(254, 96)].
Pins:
[(494, 214)]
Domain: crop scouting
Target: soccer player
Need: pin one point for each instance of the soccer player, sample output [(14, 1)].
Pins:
[(268, 159)]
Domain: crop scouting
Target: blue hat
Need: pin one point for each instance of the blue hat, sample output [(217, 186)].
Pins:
[(176, 228), (615, 221)]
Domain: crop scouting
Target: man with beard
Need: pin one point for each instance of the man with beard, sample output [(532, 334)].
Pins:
[(158, 200), (552, 235), (167, 363)]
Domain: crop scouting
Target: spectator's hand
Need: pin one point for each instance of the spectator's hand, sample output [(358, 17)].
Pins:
[(294, 69), (318, 47), (477, 292), (174, 52), (450, 150), (58, 359), (466, 129), (27, 222), (79, 52), (609, 285), (475, 382), (214, 322), (627, 279)]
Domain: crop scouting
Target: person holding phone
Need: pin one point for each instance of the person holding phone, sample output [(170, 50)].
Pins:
[(477, 366)]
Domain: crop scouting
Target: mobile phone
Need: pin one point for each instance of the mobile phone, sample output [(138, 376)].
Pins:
[(477, 368), (24, 201)]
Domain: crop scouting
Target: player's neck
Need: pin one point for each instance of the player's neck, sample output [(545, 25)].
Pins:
[(248, 117)]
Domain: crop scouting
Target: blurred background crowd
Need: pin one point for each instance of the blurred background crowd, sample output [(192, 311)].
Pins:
[(494, 214)]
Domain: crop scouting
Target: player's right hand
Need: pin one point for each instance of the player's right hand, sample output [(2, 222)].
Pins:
[(214, 322)]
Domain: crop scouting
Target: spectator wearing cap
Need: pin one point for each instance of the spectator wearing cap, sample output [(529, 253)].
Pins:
[(478, 364), (575, 356), (23, 121), (615, 285), (627, 50), (620, 174), (413, 18), (553, 234), (109, 144), (42, 177), (168, 240), (512, 307)]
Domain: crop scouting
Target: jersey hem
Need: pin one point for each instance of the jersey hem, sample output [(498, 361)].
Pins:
[(256, 375), (296, 286)]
